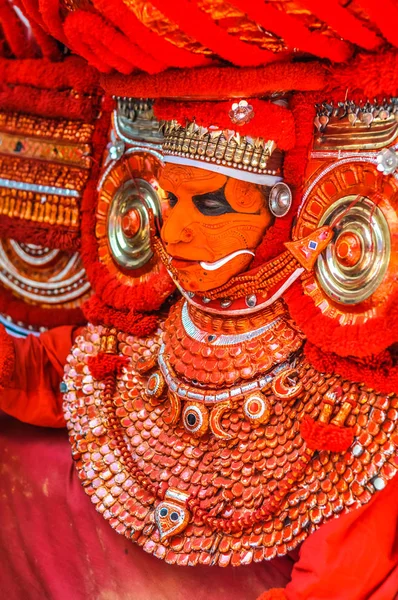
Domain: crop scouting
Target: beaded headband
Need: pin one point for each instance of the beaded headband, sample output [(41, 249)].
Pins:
[(223, 151)]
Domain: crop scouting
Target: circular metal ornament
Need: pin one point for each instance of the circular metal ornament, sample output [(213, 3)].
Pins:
[(355, 262), (251, 300), (155, 385), (280, 199), (130, 247), (195, 418), (256, 408)]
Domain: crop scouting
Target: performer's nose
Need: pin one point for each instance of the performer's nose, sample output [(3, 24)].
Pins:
[(175, 230)]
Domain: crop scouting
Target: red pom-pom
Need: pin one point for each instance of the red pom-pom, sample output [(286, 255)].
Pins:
[(103, 365), (325, 436)]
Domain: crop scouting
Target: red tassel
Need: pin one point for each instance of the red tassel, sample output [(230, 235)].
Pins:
[(133, 322), (325, 436), (104, 365)]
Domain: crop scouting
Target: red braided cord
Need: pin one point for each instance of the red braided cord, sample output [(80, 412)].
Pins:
[(105, 47), (293, 32), (50, 14), (155, 45), (343, 22), (384, 13), (15, 32), (197, 24)]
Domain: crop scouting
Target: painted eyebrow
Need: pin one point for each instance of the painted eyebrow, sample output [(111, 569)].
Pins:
[(216, 195)]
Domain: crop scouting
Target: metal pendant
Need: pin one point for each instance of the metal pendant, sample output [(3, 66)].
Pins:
[(171, 515), (195, 418), (280, 199)]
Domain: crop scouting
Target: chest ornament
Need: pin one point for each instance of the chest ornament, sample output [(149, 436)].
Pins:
[(200, 401), (221, 477)]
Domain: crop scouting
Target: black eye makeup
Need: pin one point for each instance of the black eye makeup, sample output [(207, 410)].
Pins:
[(213, 203), (172, 198)]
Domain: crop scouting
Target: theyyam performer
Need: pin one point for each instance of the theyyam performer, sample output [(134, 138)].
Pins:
[(231, 400)]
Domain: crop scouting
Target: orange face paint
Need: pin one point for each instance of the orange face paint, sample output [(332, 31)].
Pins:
[(211, 217)]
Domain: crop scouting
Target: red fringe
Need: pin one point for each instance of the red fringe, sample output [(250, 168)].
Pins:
[(201, 27), (371, 337), (270, 121), (325, 436), (41, 234), (104, 47), (117, 12), (37, 316), (273, 594), (369, 76), (7, 357), (365, 75), (132, 322), (293, 32), (376, 372), (104, 365)]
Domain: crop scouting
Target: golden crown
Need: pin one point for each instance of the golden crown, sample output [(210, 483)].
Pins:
[(252, 159)]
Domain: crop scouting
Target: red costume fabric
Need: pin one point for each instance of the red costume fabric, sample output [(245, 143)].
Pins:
[(354, 557), (32, 394)]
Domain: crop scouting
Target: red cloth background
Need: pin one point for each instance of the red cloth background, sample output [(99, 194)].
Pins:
[(55, 546)]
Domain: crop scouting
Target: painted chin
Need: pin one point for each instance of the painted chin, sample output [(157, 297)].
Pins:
[(193, 278)]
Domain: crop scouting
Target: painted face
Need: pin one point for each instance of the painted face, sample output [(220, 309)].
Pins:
[(213, 225)]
